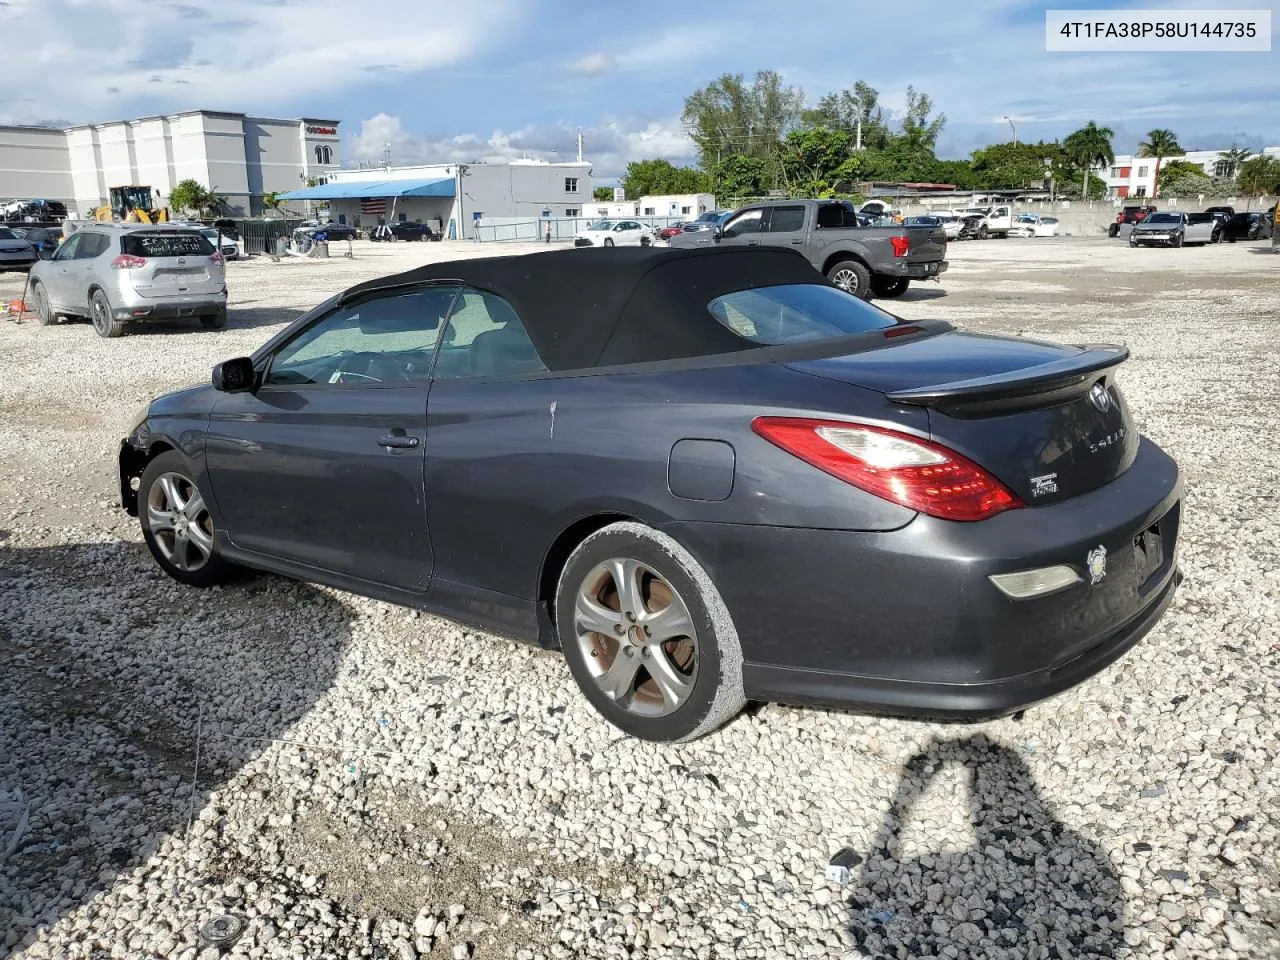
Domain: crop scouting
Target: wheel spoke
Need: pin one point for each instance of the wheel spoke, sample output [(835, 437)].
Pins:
[(169, 484), (159, 520), (594, 617), (618, 680), (195, 506), (179, 555), (675, 686), (670, 622), (200, 540), (626, 578)]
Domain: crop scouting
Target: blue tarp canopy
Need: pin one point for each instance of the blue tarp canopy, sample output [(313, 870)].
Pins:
[(359, 189)]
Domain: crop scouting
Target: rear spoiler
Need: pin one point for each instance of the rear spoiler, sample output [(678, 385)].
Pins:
[(1030, 381)]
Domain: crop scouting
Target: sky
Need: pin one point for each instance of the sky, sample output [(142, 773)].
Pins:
[(510, 78)]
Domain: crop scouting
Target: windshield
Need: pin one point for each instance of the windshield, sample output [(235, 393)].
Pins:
[(600, 225), (8, 234), (1163, 218), (794, 313)]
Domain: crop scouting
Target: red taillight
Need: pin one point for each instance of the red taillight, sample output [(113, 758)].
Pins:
[(216, 258), (127, 261), (900, 245), (903, 469)]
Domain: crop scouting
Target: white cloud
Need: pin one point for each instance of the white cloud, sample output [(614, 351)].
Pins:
[(595, 64), (608, 145), (234, 54)]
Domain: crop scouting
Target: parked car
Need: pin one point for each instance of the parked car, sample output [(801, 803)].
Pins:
[(43, 239), (404, 230), (229, 247), (951, 225), (1034, 225), (1226, 211), (1174, 229), (119, 273), (970, 227), (683, 524), (865, 260), (614, 233), (1247, 226), (1130, 215), (671, 229), (997, 220), (15, 252)]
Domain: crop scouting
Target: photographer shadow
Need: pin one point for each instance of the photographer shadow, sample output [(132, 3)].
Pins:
[(116, 684), (1026, 885)]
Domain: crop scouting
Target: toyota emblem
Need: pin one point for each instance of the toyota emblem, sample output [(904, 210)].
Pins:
[(1100, 396)]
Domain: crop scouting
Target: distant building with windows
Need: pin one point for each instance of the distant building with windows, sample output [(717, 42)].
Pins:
[(1132, 176), (238, 156), (673, 206), (452, 197)]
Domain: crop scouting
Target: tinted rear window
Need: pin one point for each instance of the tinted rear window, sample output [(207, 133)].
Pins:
[(165, 245), (794, 313)]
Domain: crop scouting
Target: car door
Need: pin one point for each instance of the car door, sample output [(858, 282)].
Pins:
[(627, 234), (57, 276), (322, 465), (743, 228), (1199, 228), (785, 226)]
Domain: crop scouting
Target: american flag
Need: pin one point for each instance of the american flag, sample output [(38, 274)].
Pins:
[(373, 207)]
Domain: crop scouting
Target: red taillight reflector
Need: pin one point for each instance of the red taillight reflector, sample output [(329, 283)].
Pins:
[(903, 469), (215, 258), (127, 261), (900, 245), (900, 331)]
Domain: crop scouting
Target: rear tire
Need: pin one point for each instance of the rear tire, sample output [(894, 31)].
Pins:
[(889, 287), (40, 303), (214, 321), (1113, 231), (177, 525), (666, 678), (851, 277), (100, 315)]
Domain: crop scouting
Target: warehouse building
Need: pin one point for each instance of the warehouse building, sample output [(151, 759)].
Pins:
[(452, 198), (236, 155)]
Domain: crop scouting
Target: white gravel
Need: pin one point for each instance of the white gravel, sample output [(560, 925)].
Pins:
[(377, 783)]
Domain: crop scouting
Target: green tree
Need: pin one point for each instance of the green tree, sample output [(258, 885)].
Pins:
[(215, 203), (603, 194), (811, 159), (846, 110), (1259, 176), (1013, 166), (1086, 148), (1234, 159), (920, 130), (1181, 168), (656, 177), (729, 115), (738, 176), (1160, 143), (957, 172), (188, 195)]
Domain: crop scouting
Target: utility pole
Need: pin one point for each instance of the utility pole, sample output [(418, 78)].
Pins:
[(579, 144), (1014, 129), (858, 142)]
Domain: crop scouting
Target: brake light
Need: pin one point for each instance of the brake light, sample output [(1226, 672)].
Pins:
[(127, 261), (215, 257), (902, 469), (900, 245)]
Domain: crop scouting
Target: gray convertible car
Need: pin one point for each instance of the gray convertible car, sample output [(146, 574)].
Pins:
[(706, 476)]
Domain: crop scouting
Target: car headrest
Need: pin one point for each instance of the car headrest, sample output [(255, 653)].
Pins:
[(503, 351)]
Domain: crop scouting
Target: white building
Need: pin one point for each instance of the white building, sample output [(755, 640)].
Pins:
[(452, 197), (1133, 176), (684, 206), (238, 156)]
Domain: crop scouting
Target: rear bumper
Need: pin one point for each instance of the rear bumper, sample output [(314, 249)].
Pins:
[(918, 271), (907, 623), (167, 310)]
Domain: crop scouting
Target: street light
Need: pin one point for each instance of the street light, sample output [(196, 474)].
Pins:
[(1013, 128)]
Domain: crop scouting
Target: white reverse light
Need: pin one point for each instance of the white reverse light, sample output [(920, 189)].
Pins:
[(1034, 583)]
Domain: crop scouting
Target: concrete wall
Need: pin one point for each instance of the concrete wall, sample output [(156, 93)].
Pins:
[(34, 164), (1092, 218)]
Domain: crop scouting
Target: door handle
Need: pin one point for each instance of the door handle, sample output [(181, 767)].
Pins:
[(753, 243), (397, 439), (798, 240)]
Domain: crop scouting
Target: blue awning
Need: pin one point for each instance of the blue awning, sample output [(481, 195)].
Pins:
[(359, 189)]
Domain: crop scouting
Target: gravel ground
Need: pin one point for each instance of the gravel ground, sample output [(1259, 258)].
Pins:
[(322, 775)]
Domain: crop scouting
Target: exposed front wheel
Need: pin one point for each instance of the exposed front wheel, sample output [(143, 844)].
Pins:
[(100, 313), (647, 636), (40, 302), (177, 525), (983, 232), (608, 241), (889, 287), (852, 277)]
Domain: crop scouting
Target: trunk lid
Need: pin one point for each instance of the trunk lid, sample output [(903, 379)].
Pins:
[(1047, 420), (177, 264)]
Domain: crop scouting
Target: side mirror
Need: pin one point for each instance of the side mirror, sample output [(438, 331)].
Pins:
[(234, 376)]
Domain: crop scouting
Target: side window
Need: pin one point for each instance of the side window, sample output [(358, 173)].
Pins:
[(485, 338), (786, 220), (69, 247), (748, 221), (91, 245), (389, 338)]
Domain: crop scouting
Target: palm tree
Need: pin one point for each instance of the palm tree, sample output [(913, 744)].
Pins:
[(1259, 175), (1233, 159), (1160, 143), (1089, 146)]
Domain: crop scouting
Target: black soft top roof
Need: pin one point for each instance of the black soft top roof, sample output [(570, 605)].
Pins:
[(606, 306)]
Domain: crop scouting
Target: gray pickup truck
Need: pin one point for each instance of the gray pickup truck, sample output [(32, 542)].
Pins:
[(867, 261)]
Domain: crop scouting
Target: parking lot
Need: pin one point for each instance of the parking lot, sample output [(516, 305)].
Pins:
[(352, 779)]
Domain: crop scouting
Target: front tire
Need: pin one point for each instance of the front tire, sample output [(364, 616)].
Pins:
[(608, 241), (1177, 240), (647, 636), (177, 525), (851, 277), (40, 299), (983, 232), (100, 314), (889, 287)]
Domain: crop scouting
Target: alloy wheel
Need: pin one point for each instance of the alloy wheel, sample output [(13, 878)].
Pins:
[(179, 521), (846, 280), (636, 637)]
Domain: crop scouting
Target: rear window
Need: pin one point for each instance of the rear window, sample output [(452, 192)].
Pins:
[(187, 244), (795, 313)]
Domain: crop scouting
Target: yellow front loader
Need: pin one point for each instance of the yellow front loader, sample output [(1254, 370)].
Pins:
[(131, 204)]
